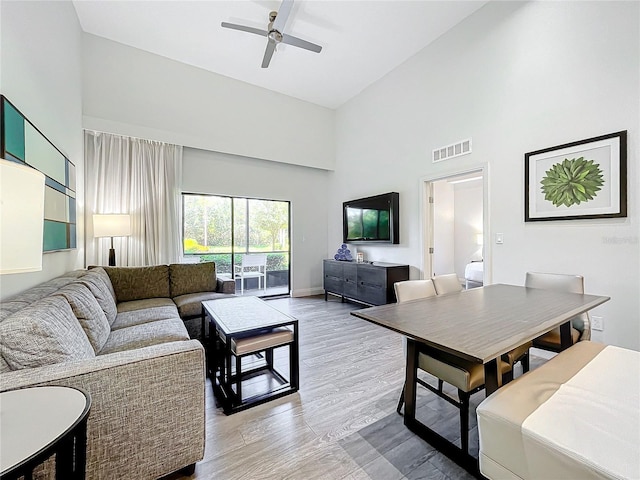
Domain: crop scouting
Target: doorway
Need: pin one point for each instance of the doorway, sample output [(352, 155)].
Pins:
[(455, 220)]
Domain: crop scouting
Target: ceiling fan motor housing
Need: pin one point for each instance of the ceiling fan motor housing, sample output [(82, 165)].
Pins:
[(275, 35)]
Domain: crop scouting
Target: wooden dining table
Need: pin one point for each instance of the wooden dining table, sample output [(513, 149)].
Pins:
[(478, 325)]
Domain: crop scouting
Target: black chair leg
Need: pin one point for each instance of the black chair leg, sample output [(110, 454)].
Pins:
[(464, 420), (440, 385), (401, 401)]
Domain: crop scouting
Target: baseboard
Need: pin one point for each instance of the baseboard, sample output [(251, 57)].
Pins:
[(307, 292)]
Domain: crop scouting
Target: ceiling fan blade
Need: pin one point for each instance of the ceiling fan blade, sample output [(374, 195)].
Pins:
[(298, 42), (268, 53), (283, 15), (244, 28)]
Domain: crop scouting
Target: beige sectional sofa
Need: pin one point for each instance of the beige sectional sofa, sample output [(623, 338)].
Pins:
[(119, 334)]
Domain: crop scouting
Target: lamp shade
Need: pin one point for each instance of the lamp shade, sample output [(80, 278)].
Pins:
[(21, 218), (111, 225)]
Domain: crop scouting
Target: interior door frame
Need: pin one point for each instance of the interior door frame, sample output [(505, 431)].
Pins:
[(427, 217)]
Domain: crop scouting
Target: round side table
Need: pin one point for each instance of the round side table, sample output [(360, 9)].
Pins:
[(38, 422)]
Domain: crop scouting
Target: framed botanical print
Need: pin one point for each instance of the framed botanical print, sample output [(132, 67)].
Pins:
[(578, 180)]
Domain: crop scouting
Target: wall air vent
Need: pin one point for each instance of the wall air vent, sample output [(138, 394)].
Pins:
[(462, 147)]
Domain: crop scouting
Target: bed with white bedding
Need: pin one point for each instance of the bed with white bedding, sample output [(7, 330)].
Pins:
[(474, 274), (575, 417)]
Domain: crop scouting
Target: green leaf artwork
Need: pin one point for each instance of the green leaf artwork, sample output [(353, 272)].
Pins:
[(572, 181)]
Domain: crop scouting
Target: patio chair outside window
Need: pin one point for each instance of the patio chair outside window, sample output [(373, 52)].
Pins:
[(253, 266)]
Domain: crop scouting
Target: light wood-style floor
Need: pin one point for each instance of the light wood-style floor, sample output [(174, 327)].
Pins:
[(351, 375)]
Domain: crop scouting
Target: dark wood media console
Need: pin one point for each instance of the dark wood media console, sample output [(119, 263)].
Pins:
[(370, 283)]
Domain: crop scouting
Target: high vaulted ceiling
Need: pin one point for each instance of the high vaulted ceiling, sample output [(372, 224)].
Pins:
[(361, 40)]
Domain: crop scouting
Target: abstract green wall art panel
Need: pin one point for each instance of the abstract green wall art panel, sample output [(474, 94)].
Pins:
[(22, 142), (13, 131)]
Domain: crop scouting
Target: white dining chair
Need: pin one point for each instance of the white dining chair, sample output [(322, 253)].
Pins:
[(580, 325)]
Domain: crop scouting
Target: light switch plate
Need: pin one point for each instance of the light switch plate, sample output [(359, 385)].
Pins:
[(499, 238)]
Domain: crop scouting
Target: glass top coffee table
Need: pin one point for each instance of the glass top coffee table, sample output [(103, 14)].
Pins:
[(249, 328)]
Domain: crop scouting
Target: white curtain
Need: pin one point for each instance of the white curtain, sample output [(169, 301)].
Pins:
[(141, 178)]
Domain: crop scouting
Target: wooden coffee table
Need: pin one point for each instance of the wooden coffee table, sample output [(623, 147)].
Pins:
[(240, 327)]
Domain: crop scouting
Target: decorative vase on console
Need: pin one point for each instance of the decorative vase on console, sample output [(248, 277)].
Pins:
[(343, 254)]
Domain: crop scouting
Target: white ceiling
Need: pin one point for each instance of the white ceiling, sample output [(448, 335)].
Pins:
[(361, 40)]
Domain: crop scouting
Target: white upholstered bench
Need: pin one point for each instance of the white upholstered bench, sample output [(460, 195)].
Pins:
[(575, 417)]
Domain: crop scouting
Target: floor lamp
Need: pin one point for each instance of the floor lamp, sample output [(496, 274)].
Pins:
[(21, 218), (111, 225)]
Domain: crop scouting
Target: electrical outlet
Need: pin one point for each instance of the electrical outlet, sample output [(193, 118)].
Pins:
[(597, 323)]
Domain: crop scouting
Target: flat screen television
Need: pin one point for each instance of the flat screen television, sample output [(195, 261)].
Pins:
[(372, 219)]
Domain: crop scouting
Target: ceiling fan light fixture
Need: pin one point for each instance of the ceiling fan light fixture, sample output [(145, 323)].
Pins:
[(275, 35)]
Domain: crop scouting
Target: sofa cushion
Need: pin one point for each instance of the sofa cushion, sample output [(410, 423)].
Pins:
[(191, 305), (88, 312), (104, 276), (137, 283), (138, 336), (102, 294), (192, 278), (11, 307), (144, 304), (138, 317), (4, 366), (44, 333), (36, 293)]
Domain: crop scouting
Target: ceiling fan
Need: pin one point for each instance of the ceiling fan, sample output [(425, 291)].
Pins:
[(274, 34)]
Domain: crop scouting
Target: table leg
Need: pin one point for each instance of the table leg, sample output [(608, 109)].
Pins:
[(410, 381), (294, 359), (492, 376), (81, 450), (565, 336)]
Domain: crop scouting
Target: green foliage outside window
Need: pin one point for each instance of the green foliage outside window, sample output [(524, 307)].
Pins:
[(256, 226), (275, 261)]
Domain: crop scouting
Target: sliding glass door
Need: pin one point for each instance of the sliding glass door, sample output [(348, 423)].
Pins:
[(225, 229)]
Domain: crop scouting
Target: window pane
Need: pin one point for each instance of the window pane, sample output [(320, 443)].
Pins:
[(207, 224), (240, 224), (268, 225), (223, 263)]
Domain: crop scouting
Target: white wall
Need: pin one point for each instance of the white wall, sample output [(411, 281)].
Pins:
[(40, 54), (467, 224), (516, 77), (306, 189), (132, 92)]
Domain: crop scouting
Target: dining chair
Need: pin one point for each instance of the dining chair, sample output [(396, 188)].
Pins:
[(580, 325), (254, 265), (412, 290), (467, 377), (449, 283)]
